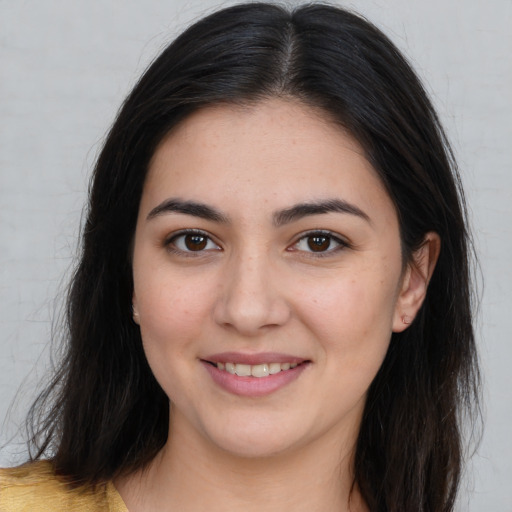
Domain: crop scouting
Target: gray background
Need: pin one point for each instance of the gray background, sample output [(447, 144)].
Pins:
[(66, 66)]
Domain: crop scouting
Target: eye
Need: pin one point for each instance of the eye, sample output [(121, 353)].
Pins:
[(192, 241), (319, 242)]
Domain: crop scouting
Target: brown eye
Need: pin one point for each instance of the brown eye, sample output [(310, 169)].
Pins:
[(195, 242), (192, 242), (319, 243)]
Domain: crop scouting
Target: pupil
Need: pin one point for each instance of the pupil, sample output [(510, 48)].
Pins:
[(318, 243), (195, 242)]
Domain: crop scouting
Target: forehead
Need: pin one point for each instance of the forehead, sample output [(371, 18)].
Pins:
[(274, 152)]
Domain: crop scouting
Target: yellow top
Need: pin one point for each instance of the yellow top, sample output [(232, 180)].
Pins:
[(35, 488)]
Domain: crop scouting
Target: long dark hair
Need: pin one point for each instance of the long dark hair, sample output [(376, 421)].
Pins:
[(104, 414)]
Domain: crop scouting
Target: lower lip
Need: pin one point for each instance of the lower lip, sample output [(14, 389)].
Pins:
[(253, 386)]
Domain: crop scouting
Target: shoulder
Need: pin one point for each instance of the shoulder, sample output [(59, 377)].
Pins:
[(34, 487)]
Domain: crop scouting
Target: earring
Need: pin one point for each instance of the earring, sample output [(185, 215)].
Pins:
[(135, 314), (405, 320)]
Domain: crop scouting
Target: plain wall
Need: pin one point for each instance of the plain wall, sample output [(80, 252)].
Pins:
[(66, 66)]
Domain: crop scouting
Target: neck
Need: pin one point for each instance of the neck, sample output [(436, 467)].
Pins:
[(190, 474)]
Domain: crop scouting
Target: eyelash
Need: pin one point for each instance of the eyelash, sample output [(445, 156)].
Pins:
[(170, 243), (319, 233)]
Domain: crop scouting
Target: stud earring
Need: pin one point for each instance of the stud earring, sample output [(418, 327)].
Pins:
[(406, 320)]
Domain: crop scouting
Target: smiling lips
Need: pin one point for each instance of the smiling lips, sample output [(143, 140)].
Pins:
[(256, 370), (254, 375)]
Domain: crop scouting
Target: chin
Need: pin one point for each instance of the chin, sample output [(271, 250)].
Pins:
[(254, 448), (254, 440)]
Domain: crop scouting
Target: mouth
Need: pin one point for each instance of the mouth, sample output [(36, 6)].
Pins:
[(258, 371), (254, 375)]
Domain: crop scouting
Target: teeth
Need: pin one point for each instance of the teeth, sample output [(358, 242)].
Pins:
[(243, 370), (260, 370), (274, 368), (256, 370)]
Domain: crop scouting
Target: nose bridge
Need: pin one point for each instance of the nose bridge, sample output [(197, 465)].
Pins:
[(251, 298)]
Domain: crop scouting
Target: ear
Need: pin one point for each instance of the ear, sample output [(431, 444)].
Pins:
[(135, 311), (415, 281)]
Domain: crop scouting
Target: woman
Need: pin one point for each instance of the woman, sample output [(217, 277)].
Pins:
[(272, 307)]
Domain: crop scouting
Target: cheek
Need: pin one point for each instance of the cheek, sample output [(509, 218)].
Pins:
[(172, 319), (351, 316), (173, 310), (354, 301)]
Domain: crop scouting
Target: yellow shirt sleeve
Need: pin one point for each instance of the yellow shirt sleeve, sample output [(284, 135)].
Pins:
[(34, 488)]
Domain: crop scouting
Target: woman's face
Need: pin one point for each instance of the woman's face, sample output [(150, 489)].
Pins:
[(267, 277)]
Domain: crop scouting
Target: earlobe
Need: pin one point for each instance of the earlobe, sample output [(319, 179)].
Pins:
[(415, 281)]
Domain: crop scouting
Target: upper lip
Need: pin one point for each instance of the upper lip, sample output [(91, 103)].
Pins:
[(253, 359)]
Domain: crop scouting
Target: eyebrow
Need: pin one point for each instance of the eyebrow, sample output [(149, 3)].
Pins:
[(280, 218), (299, 211), (193, 208)]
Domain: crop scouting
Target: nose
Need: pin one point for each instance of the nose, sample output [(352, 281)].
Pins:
[(252, 298)]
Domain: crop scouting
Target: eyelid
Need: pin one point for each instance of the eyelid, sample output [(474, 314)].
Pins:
[(169, 242), (341, 241)]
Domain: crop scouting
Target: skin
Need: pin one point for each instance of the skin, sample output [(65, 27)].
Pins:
[(257, 286)]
